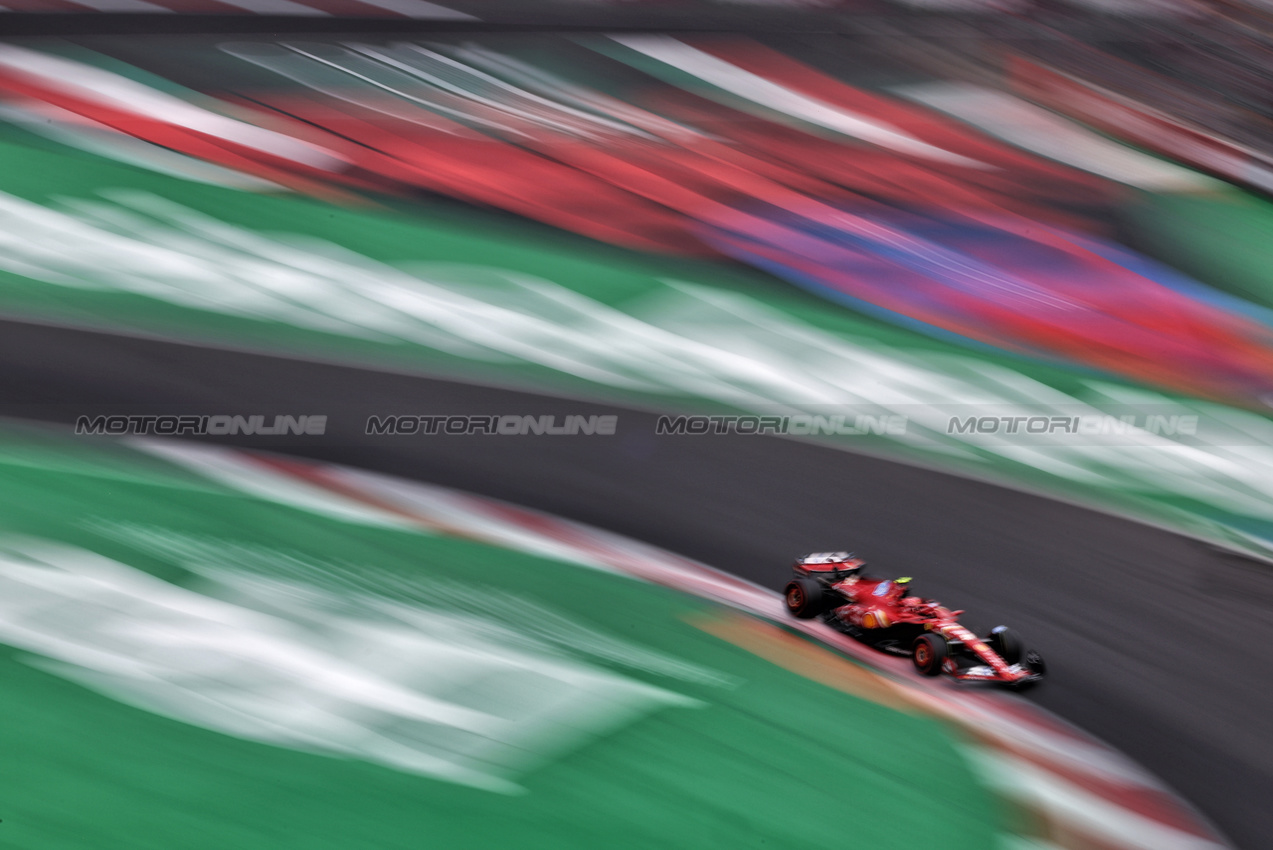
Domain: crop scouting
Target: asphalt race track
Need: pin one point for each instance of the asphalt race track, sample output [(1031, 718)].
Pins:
[(1155, 643)]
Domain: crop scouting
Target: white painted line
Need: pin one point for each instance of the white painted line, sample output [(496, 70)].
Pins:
[(1089, 813), (1036, 129), (758, 89), (134, 6), (420, 9), (276, 7)]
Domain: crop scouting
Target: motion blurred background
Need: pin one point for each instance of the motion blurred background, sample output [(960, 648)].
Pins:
[(1003, 271)]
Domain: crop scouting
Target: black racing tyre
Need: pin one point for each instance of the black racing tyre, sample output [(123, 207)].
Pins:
[(1006, 644), (1033, 663), (805, 598), (928, 653)]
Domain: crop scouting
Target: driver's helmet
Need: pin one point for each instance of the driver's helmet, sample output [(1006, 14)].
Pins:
[(904, 586)]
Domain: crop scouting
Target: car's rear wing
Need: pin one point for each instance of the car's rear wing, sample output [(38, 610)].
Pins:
[(829, 566)]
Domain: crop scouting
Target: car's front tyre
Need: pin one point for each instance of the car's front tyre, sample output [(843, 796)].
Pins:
[(928, 653), (1006, 644)]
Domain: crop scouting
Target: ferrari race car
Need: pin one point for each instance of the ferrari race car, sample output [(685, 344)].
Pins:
[(883, 614)]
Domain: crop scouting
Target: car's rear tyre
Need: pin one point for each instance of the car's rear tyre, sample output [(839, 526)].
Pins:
[(1006, 644), (805, 598), (929, 653)]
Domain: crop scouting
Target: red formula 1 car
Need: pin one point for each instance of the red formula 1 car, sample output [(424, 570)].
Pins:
[(883, 614)]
